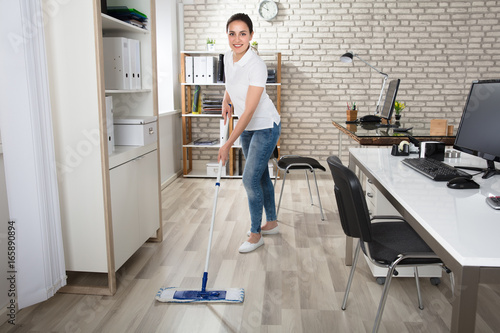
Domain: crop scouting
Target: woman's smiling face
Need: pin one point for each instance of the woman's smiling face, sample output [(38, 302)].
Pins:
[(239, 38)]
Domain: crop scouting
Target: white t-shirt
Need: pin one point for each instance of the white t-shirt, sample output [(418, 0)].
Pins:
[(250, 70)]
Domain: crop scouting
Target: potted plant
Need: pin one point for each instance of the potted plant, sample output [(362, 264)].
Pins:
[(210, 44), (398, 107), (255, 46)]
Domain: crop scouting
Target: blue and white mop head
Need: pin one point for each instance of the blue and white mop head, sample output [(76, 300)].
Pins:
[(176, 295)]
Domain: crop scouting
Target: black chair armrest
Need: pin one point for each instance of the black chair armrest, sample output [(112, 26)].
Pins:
[(387, 217), (419, 255)]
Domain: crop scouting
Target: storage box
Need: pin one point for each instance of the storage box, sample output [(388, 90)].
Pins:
[(135, 131), (270, 166), (213, 170)]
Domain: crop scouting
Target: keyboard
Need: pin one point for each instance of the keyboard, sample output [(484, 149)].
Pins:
[(434, 169)]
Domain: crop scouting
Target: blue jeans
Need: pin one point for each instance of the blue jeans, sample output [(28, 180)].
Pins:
[(258, 147)]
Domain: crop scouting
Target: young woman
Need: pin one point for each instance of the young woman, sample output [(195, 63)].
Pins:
[(259, 125)]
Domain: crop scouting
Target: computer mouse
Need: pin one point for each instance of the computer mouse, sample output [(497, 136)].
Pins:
[(462, 183)]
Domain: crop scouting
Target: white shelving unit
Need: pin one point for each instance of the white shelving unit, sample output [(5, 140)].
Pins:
[(189, 169), (110, 203)]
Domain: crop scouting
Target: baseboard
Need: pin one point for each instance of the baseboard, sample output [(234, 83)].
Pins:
[(171, 179)]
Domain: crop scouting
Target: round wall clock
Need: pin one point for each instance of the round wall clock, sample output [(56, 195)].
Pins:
[(268, 9)]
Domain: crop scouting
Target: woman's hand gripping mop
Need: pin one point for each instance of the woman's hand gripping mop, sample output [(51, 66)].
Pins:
[(176, 295)]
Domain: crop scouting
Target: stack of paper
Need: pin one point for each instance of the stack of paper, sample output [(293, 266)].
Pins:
[(129, 15), (211, 104), (206, 142)]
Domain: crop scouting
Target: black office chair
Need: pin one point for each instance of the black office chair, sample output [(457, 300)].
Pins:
[(386, 244), (295, 162)]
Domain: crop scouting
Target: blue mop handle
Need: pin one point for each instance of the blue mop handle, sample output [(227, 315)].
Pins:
[(217, 186)]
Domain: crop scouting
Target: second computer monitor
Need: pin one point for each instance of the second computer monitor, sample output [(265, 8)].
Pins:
[(390, 99)]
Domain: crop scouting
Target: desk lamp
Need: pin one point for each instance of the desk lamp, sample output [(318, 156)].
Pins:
[(348, 57)]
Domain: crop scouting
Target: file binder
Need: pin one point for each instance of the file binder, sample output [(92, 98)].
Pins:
[(116, 63), (223, 130), (200, 70), (189, 69), (220, 69), (135, 63), (211, 70), (109, 124)]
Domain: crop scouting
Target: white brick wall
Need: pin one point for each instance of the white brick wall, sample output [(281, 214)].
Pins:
[(436, 48)]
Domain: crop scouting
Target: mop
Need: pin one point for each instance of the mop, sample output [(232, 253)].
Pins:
[(176, 295)]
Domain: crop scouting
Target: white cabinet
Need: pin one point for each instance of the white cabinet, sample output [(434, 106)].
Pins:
[(134, 204), (379, 205), (106, 214)]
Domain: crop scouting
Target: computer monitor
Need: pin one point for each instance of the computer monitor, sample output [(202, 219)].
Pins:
[(390, 98), (479, 130)]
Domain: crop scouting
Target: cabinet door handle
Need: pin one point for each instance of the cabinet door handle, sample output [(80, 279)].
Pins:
[(369, 195), (151, 131), (369, 181)]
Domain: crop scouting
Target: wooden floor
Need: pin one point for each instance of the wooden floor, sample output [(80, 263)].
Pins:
[(294, 283)]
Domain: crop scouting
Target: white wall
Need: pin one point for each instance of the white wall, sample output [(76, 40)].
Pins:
[(168, 55), (168, 90), (170, 147), (436, 48)]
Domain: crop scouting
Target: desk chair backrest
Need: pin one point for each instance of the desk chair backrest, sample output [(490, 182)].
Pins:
[(351, 202)]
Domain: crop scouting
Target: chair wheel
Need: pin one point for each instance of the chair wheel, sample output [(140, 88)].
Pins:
[(435, 281), (381, 280)]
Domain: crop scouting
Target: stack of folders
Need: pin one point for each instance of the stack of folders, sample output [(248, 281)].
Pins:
[(211, 104), (203, 69), (122, 63), (128, 15)]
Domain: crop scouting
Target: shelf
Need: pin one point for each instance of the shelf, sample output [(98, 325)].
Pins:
[(220, 84), (192, 145), (187, 116), (263, 53), (203, 174), (135, 91), (203, 84), (111, 24), (195, 115)]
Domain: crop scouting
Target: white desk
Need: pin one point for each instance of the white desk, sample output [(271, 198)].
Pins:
[(457, 224)]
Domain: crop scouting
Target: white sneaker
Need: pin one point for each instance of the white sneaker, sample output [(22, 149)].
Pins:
[(272, 231), (249, 247)]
